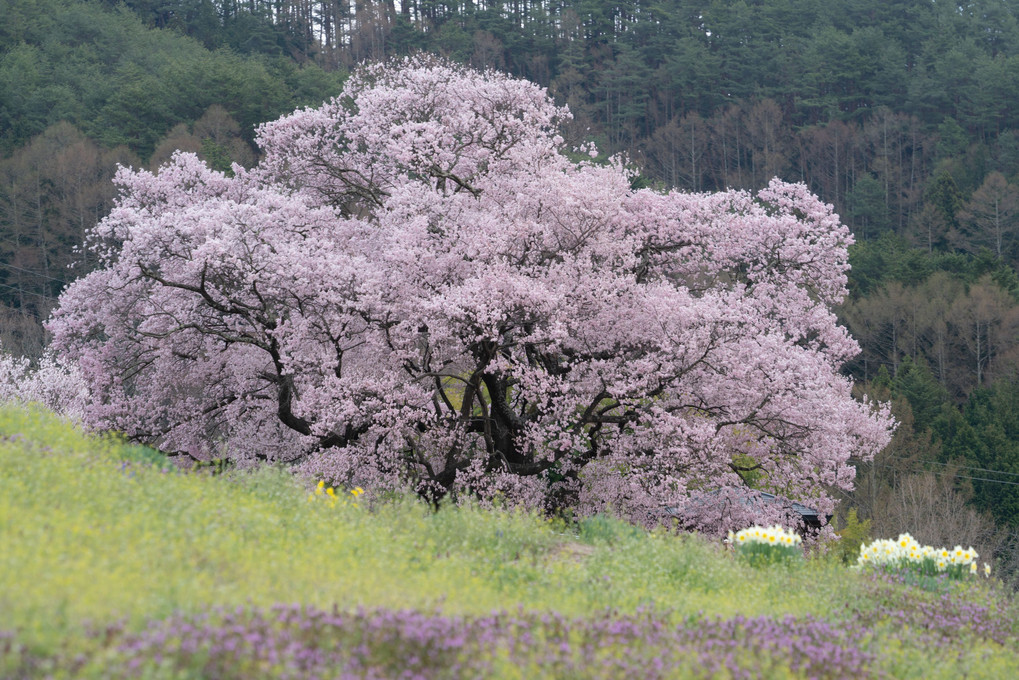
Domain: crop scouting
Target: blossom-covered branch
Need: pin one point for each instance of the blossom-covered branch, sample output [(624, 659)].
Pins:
[(416, 287)]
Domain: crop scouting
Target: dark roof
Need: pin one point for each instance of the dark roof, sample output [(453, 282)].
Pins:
[(810, 515), (802, 509)]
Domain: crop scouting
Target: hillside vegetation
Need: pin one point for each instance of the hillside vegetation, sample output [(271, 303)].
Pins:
[(116, 567)]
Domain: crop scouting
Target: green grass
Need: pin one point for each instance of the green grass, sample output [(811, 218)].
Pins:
[(93, 532)]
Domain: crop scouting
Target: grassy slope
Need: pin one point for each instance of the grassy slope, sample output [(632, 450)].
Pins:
[(89, 537)]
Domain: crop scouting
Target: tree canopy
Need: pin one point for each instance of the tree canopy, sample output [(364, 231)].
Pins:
[(416, 287)]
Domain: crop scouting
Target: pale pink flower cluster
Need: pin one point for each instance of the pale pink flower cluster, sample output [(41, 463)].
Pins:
[(55, 384), (417, 288)]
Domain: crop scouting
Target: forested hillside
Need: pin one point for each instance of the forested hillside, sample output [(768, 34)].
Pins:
[(899, 113), (87, 85)]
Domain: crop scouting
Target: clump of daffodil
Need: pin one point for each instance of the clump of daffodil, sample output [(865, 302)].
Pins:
[(329, 497), (906, 553), (766, 545)]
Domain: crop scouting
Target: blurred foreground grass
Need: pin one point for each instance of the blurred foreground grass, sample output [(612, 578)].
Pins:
[(92, 532)]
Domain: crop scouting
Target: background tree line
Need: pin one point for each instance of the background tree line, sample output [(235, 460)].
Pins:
[(87, 85), (898, 113)]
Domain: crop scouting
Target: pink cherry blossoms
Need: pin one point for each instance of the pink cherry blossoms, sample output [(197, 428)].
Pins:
[(416, 288), (50, 382)]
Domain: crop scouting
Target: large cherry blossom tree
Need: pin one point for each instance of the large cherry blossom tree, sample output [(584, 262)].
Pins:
[(419, 287)]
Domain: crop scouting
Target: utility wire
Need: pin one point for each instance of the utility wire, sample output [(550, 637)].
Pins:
[(964, 467), (32, 272), (944, 473), (975, 469), (28, 292)]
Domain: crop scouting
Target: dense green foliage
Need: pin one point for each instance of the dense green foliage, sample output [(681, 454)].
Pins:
[(121, 83), (874, 104), (99, 544), (84, 86)]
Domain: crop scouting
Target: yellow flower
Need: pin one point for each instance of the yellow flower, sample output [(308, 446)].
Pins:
[(356, 491), (330, 492)]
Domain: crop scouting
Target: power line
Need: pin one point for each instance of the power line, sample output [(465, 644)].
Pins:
[(32, 272), (975, 469), (28, 292), (945, 472), (964, 467)]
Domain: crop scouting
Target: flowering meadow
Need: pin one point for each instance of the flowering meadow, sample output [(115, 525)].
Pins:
[(113, 566)]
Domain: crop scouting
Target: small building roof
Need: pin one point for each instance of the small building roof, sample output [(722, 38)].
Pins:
[(811, 517)]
